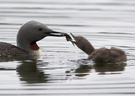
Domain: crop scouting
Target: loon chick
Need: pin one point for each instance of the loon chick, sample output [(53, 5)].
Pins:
[(111, 55), (27, 36)]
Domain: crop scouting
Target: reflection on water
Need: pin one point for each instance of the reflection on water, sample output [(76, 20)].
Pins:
[(83, 70), (102, 68), (28, 71), (63, 69)]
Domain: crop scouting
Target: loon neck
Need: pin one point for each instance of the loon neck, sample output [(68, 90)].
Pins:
[(29, 47), (88, 48), (34, 46)]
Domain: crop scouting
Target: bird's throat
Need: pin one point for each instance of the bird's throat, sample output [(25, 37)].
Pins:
[(34, 46)]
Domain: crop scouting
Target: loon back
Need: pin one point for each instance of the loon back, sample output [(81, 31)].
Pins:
[(108, 55), (9, 50)]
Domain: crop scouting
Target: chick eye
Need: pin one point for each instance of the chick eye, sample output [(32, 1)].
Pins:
[(40, 29)]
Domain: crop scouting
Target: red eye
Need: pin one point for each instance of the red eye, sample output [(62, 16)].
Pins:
[(40, 29)]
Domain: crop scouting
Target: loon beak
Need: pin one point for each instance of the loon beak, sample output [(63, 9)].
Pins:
[(73, 36), (55, 33), (58, 34)]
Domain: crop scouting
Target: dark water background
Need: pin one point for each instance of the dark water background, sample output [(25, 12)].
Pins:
[(63, 70)]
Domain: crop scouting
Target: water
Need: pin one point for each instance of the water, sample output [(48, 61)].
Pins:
[(63, 70)]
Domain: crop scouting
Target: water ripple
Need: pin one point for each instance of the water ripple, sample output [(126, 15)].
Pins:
[(64, 70)]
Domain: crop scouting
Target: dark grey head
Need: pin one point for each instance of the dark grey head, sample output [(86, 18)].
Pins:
[(83, 44), (33, 31)]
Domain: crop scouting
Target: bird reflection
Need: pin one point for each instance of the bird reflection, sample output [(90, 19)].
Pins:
[(29, 72), (83, 70), (102, 68), (86, 69)]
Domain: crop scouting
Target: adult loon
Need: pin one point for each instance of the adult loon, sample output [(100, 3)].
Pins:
[(27, 36)]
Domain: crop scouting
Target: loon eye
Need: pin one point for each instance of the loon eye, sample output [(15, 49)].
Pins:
[(40, 29)]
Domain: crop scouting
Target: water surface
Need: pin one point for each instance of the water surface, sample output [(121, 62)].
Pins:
[(63, 70)]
